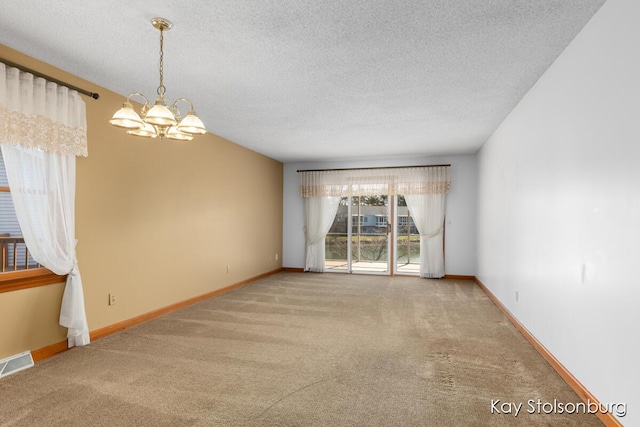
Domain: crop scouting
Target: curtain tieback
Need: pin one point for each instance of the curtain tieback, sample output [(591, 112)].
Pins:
[(435, 233), (74, 270)]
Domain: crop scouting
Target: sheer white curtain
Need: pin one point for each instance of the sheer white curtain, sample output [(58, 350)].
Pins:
[(319, 215), (428, 212), (43, 128)]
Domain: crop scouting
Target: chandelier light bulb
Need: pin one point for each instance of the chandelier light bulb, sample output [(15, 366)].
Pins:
[(126, 117), (192, 124), (160, 114), (175, 133), (147, 130)]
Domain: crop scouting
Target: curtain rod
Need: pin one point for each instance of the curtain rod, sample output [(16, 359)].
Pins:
[(383, 167), (93, 95)]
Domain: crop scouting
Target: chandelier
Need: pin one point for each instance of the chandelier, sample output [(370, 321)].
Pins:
[(159, 120)]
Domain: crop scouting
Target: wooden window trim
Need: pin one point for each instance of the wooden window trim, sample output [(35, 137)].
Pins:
[(16, 280)]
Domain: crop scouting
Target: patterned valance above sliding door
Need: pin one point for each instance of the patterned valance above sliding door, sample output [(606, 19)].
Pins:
[(371, 182)]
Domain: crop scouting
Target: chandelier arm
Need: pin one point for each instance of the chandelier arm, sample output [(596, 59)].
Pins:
[(145, 108), (176, 111), (146, 101), (186, 100)]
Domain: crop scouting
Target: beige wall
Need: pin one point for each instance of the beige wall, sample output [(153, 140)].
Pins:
[(157, 222)]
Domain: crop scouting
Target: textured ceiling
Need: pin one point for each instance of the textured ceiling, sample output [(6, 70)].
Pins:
[(314, 80)]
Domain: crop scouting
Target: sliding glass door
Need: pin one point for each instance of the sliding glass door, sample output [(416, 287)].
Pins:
[(337, 248), (407, 239), (359, 239), (370, 229), (375, 231)]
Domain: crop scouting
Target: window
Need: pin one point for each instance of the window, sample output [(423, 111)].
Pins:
[(381, 220), (18, 269), (15, 255)]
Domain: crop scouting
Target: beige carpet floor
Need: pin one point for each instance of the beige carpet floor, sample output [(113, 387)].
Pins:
[(298, 349)]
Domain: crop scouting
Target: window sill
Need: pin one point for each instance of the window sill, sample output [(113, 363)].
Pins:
[(14, 281)]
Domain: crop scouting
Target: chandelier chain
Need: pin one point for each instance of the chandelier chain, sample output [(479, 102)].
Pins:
[(161, 88)]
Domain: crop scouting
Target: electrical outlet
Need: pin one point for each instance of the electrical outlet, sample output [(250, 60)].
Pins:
[(517, 296), (276, 257), (228, 268), (112, 299)]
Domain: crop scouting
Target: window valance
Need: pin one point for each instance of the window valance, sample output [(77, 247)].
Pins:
[(35, 113), (371, 182)]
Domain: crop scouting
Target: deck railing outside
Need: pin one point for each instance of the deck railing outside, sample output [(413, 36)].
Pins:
[(364, 247), (15, 254)]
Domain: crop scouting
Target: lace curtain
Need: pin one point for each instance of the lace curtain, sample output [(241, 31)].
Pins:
[(38, 114), (42, 129), (372, 182)]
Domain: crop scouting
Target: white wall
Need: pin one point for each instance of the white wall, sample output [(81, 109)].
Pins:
[(460, 223), (559, 208)]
